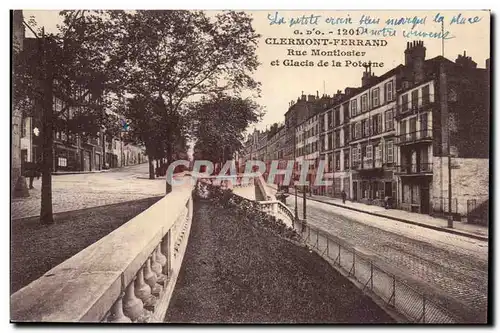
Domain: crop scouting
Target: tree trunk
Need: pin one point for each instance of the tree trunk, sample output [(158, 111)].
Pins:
[(169, 160), (103, 166), (46, 216), (151, 167)]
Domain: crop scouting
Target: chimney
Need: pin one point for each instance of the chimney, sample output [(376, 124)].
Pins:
[(465, 61), (311, 98), (414, 59)]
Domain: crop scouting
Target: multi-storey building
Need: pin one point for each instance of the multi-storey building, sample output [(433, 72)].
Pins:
[(250, 150), (297, 113), (72, 152), (389, 137), (332, 121), (307, 146), (371, 139), (443, 108), (262, 146)]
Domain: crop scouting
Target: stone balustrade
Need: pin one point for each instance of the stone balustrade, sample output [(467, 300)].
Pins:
[(126, 276), (278, 210)]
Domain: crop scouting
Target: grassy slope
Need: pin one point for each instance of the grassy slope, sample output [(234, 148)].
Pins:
[(234, 271)]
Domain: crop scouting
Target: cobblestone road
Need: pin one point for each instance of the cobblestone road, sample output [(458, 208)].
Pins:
[(79, 191), (454, 264)]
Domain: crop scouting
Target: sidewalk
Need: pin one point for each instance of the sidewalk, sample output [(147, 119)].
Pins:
[(57, 173), (422, 220)]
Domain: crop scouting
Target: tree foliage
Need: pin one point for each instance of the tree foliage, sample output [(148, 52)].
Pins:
[(219, 122)]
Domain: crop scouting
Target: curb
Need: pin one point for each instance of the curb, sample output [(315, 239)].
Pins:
[(77, 172), (451, 231)]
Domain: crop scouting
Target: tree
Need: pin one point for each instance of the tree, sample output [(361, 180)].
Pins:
[(219, 123), (69, 65), (170, 57)]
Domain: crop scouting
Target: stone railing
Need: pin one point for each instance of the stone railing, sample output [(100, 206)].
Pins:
[(261, 185), (278, 210), (127, 276), (228, 181)]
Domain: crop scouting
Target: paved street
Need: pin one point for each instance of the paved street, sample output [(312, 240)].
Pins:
[(79, 191), (455, 264)]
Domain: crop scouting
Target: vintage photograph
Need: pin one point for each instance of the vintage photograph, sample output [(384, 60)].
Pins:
[(250, 166)]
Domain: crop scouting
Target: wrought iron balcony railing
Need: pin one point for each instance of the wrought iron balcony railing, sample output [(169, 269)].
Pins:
[(414, 137), (414, 168), (413, 107)]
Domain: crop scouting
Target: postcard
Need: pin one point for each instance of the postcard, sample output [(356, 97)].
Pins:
[(250, 166)]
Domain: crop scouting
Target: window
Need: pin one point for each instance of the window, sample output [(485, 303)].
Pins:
[(23, 128), (389, 91), (353, 132), (414, 99), (346, 112), (346, 135), (62, 162), (337, 139), (404, 103), (377, 123), (330, 162), (378, 154), (366, 127), (354, 108), (375, 97), (364, 102), (423, 121), (369, 152), (389, 152), (402, 127), (337, 117), (389, 122), (425, 95), (337, 161), (357, 133), (354, 154), (346, 159)]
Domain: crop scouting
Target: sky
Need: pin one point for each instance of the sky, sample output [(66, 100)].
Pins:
[(282, 84)]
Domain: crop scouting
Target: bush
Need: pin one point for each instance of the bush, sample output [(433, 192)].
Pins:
[(248, 211)]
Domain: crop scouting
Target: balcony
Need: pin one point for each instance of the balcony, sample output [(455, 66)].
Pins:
[(367, 164), (414, 137), (414, 169), (412, 108)]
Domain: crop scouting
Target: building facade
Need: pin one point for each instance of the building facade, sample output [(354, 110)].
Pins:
[(307, 147), (393, 136)]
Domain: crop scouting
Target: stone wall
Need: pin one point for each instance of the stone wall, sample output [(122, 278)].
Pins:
[(469, 181)]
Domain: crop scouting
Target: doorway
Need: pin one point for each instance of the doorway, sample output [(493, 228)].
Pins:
[(424, 200), (86, 160), (388, 189), (354, 191)]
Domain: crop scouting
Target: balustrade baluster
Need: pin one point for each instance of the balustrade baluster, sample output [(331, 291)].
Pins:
[(143, 290), (157, 268), (151, 278), (116, 313), (165, 249), (160, 257), (132, 306)]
